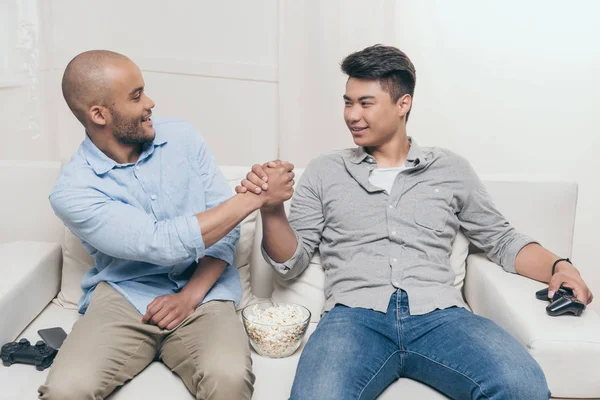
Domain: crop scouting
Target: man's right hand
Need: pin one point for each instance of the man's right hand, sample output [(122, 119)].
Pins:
[(273, 180), (273, 183)]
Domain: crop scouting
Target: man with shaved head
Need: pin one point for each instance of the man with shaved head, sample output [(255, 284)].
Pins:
[(149, 204)]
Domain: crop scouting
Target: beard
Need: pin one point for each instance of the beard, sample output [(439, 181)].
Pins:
[(129, 130)]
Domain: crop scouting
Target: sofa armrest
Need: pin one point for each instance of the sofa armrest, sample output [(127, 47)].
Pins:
[(30, 280), (566, 347)]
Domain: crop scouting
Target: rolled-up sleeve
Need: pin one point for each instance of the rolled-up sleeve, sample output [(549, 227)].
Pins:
[(123, 231), (306, 220), (485, 225), (285, 267)]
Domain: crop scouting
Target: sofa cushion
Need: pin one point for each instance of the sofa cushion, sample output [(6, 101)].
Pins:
[(76, 260), (30, 279), (308, 288), (234, 176)]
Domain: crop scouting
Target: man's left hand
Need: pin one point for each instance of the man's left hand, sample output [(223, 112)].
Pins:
[(169, 311), (568, 276)]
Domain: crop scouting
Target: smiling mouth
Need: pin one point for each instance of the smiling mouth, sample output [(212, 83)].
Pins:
[(355, 130), (147, 118)]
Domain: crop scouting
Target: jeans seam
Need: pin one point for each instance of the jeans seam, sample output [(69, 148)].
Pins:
[(399, 330), (398, 322), (452, 369), (376, 373)]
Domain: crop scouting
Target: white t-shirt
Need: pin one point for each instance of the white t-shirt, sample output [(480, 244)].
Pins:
[(384, 177)]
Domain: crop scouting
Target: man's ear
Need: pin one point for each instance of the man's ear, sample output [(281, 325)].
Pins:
[(403, 105), (98, 115)]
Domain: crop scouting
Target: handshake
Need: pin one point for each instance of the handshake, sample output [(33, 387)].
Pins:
[(272, 181)]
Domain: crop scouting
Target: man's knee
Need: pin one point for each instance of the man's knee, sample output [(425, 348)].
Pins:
[(71, 386), (521, 382), (225, 381), (303, 390), (318, 379)]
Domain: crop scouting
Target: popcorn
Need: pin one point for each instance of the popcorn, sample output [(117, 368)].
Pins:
[(276, 331)]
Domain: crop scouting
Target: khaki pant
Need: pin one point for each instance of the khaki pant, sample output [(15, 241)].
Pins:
[(109, 345)]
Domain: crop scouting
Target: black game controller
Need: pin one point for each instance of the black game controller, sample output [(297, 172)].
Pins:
[(563, 302), (23, 352)]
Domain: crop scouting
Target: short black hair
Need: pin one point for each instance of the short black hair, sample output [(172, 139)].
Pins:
[(388, 65)]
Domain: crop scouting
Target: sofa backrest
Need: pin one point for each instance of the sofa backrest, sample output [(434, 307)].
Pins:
[(25, 213), (541, 208)]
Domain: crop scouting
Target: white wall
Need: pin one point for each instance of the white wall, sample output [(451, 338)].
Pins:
[(315, 36), (514, 87), (212, 63)]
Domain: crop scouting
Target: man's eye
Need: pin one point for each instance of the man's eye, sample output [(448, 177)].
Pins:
[(367, 104), (348, 104)]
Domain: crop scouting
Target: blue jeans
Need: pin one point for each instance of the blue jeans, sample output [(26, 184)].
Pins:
[(355, 353)]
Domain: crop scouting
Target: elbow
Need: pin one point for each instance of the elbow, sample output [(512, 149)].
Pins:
[(505, 250)]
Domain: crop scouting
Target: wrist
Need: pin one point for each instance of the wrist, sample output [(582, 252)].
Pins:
[(190, 299), (252, 200), (563, 265), (274, 209)]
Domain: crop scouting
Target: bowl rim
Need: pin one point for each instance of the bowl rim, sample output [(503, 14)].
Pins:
[(304, 321)]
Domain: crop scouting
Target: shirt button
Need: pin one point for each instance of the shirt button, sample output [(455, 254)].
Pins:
[(396, 283), (137, 168), (437, 190), (153, 197), (393, 233), (175, 274), (391, 206), (394, 259)]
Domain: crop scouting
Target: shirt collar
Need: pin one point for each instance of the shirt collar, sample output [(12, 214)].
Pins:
[(415, 154), (101, 163)]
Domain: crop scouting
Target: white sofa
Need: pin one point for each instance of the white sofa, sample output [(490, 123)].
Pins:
[(37, 292)]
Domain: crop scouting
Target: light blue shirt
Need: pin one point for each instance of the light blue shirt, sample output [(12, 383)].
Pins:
[(138, 220)]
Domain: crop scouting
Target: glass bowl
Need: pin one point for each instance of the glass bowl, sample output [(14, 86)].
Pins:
[(275, 330)]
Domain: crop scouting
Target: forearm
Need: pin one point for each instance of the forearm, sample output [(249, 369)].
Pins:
[(535, 262), (217, 222), (279, 240), (204, 277)]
